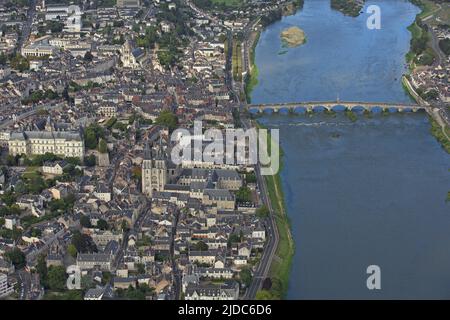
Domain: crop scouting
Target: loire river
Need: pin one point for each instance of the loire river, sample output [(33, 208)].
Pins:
[(357, 193)]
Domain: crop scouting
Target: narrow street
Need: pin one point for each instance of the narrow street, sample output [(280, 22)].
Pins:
[(176, 273), (26, 29)]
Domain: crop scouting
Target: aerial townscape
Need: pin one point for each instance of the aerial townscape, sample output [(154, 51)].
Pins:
[(92, 94)]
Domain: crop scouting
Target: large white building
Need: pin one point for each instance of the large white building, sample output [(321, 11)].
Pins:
[(5, 290), (128, 3), (38, 49), (227, 291), (61, 143)]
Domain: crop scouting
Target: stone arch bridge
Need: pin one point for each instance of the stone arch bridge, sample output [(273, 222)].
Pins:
[(317, 106)]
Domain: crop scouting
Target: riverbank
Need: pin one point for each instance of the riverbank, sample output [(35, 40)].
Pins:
[(420, 38), (421, 52), (251, 79), (441, 134), (348, 7), (281, 264)]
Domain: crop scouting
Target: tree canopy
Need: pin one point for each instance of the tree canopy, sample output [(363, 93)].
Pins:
[(17, 258), (168, 119)]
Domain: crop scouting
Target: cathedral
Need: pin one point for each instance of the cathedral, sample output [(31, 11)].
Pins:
[(131, 56), (157, 170)]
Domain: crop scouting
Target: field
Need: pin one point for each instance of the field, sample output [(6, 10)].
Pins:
[(228, 3), (434, 13), (237, 60), (219, 4)]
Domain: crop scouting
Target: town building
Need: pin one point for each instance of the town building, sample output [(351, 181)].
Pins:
[(61, 143), (5, 289)]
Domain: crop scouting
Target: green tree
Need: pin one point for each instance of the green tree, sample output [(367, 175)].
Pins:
[(102, 224), (8, 198), (17, 258), (246, 276), (140, 268), (88, 56), (102, 146), (264, 295), (85, 221), (124, 225), (87, 283), (201, 246), (89, 160), (111, 122), (36, 232), (57, 278), (92, 135), (3, 58), (168, 119), (234, 238), (244, 194), (72, 250), (250, 177), (262, 212), (83, 243), (41, 268), (20, 63), (444, 44)]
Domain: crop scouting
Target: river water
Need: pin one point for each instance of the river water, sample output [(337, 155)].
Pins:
[(370, 192)]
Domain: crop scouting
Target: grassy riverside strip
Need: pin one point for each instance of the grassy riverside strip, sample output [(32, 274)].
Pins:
[(282, 261), (237, 60), (252, 78), (420, 52), (438, 132)]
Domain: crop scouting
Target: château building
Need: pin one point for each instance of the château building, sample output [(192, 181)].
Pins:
[(61, 143)]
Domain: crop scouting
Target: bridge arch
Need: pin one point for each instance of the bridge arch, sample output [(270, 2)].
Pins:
[(268, 110), (300, 109), (284, 110), (318, 108), (376, 109), (338, 108), (392, 109), (358, 109)]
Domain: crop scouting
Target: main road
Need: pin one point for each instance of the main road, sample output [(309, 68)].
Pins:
[(263, 267), (26, 28)]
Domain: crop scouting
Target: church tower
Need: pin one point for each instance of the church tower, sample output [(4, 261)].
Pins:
[(127, 54), (49, 126), (154, 171)]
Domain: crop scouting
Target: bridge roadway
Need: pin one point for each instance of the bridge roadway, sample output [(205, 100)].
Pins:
[(337, 106)]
